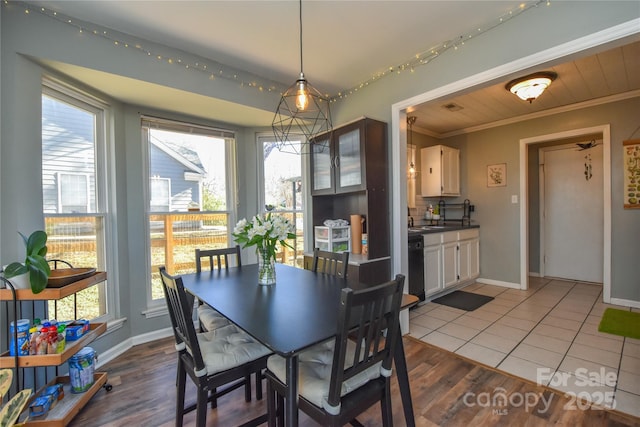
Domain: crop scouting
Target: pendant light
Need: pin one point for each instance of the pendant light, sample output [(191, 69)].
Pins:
[(302, 109), (412, 173)]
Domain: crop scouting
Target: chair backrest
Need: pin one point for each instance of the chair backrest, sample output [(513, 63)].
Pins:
[(375, 311), (219, 255), (180, 305), (334, 263)]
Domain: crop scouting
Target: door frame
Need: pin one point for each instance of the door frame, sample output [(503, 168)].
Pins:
[(605, 131)]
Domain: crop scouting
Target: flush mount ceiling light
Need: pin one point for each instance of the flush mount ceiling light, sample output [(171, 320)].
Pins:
[(302, 108), (530, 87)]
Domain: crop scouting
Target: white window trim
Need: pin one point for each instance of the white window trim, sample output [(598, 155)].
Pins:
[(157, 307), (105, 179)]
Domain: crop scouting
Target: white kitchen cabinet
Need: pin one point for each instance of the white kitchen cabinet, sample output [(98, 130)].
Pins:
[(468, 255), (450, 258), (440, 171)]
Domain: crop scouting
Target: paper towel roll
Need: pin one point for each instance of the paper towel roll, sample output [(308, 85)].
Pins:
[(356, 234)]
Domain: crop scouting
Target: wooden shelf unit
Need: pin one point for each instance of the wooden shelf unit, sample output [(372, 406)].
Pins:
[(72, 347), (54, 293), (63, 411)]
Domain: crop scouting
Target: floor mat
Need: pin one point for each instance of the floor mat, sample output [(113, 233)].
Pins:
[(463, 300), (620, 322)]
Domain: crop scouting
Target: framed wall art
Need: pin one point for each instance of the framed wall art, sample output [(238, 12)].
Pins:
[(631, 168), (497, 175)]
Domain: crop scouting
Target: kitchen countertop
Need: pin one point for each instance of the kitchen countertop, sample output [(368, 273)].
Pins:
[(429, 229)]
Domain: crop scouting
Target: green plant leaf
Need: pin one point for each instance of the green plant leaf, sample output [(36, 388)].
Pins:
[(36, 243), (15, 269), (38, 279)]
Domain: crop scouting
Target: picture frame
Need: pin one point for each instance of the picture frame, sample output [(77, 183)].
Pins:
[(497, 175), (631, 169)]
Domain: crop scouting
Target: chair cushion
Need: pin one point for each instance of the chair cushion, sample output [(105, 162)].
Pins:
[(210, 319), (314, 372), (228, 347)]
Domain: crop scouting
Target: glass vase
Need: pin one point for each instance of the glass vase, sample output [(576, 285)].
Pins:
[(266, 267)]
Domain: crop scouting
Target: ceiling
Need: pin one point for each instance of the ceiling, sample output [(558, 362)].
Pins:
[(363, 40)]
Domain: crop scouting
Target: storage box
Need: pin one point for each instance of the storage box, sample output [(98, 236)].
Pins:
[(76, 329), (333, 239), (40, 405)]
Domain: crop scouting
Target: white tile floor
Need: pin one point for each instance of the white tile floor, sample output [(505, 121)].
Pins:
[(547, 334)]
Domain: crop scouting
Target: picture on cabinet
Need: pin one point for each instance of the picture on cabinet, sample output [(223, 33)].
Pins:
[(497, 175)]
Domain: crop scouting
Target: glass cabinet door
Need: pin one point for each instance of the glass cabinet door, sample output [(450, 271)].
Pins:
[(322, 172), (349, 165)]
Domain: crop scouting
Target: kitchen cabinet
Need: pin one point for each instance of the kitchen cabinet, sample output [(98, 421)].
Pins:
[(349, 177), (345, 159), (64, 410), (450, 259), (440, 171)]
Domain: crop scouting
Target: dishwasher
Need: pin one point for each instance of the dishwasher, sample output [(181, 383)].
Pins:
[(416, 266)]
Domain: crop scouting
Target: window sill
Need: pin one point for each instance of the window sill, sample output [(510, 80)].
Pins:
[(157, 311)]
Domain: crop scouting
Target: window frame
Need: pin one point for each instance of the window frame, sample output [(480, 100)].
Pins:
[(157, 307), (105, 197)]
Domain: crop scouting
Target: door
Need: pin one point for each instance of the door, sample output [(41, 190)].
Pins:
[(572, 213)]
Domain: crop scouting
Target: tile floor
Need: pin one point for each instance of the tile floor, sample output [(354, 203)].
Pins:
[(547, 334)]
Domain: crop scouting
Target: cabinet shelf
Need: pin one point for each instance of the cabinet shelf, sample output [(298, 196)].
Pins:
[(64, 410), (54, 293), (72, 347)]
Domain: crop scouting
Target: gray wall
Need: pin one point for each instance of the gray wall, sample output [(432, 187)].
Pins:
[(27, 38)]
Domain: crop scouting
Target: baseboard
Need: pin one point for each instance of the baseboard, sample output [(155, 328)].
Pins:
[(113, 352), (499, 283), (625, 302), (534, 274)]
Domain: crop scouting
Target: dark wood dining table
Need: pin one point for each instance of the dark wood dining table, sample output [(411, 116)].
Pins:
[(300, 310)]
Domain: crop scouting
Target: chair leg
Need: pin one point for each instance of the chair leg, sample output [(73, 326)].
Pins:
[(247, 388), (180, 385), (385, 404), (271, 405), (213, 398), (201, 406), (259, 377)]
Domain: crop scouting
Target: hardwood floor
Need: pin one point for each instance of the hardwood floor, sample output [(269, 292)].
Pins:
[(447, 390)]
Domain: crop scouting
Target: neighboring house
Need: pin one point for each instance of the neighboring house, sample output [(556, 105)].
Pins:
[(68, 161), (176, 177)]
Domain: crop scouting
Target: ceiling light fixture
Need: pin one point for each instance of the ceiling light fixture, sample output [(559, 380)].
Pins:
[(301, 107), (530, 87)]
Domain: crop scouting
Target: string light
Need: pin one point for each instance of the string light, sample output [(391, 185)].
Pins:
[(228, 73)]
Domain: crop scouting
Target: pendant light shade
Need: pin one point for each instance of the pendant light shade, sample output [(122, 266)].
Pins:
[(530, 87), (302, 109)]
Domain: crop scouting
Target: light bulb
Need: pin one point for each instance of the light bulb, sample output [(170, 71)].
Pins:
[(302, 98)]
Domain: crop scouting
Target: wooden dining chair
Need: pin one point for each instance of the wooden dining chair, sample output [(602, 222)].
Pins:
[(209, 318), (223, 357), (334, 263), (343, 377)]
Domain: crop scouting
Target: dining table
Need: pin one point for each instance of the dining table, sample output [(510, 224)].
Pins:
[(297, 312)]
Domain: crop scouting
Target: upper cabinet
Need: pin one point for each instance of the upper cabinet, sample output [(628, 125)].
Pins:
[(440, 171), (346, 160)]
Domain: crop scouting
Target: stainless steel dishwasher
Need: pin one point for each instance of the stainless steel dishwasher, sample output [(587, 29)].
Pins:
[(416, 266)]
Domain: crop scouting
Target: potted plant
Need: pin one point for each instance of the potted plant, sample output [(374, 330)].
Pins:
[(14, 407), (35, 263)]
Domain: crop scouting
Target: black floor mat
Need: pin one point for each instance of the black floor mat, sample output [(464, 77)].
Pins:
[(463, 300)]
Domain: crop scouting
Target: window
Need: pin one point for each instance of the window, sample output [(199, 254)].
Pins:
[(74, 193), (190, 191), (282, 186)]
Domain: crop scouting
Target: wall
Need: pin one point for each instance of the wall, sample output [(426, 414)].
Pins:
[(498, 217), (26, 39)]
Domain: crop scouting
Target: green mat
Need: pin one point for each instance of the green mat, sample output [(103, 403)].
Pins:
[(620, 322)]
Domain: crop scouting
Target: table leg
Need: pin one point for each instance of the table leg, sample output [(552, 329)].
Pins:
[(291, 399), (403, 381)]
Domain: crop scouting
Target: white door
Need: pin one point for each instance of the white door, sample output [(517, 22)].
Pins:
[(572, 219)]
